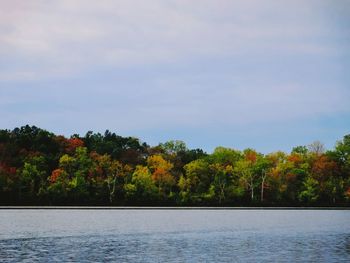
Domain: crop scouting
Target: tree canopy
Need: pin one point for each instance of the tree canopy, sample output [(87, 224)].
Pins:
[(38, 167)]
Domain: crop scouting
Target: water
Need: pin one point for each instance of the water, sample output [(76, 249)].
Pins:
[(174, 236)]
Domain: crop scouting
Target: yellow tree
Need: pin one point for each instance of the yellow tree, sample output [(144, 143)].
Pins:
[(161, 172), (244, 170)]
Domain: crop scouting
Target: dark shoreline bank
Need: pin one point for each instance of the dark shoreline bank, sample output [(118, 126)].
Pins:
[(163, 208)]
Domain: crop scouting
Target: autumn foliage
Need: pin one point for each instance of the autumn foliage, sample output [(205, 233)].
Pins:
[(40, 168)]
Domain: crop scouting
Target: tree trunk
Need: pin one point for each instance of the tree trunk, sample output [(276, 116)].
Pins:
[(262, 188), (222, 193), (252, 188), (262, 192), (111, 189)]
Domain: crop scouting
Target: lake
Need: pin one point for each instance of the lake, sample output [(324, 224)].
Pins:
[(167, 235)]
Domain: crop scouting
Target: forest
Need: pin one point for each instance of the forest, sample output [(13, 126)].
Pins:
[(38, 167)]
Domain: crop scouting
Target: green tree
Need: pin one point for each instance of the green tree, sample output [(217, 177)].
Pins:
[(309, 194), (33, 178), (173, 147), (262, 169), (145, 188), (244, 171), (198, 179), (225, 156), (222, 179)]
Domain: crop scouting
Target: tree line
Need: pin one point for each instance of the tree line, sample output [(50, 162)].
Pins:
[(38, 167)]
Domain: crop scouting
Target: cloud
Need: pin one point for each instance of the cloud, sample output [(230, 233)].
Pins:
[(207, 67), (69, 37)]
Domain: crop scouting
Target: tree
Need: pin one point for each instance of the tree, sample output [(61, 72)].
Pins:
[(316, 147), (341, 155), (328, 175), (161, 173), (117, 172), (309, 194), (34, 174), (39, 167), (225, 156), (173, 147), (126, 149), (300, 150), (262, 168), (244, 171), (72, 144), (184, 185), (71, 180), (197, 178), (222, 179), (145, 188), (9, 187)]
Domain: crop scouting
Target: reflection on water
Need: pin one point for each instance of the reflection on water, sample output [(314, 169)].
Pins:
[(174, 236)]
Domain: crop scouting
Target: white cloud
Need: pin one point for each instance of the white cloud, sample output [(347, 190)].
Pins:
[(67, 37), (283, 63)]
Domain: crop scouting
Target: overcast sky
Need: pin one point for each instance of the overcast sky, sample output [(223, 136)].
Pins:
[(263, 74)]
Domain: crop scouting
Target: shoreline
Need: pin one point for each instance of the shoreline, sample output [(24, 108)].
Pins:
[(162, 208)]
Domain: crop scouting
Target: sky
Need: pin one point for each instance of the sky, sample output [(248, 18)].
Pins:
[(268, 75)]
